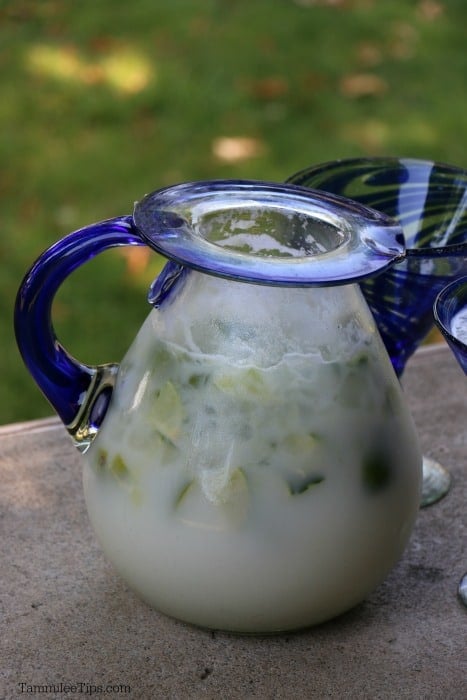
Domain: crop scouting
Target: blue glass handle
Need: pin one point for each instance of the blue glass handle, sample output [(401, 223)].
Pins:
[(79, 393)]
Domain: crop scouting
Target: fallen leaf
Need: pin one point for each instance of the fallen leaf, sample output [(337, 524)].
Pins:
[(344, 4), (102, 43), (371, 135), (404, 40), (137, 259), (369, 53), (430, 10), (363, 85), (200, 26), (314, 81), (329, 3), (237, 148), (269, 88)]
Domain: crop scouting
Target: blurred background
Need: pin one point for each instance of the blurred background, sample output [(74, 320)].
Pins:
[(102, 102)]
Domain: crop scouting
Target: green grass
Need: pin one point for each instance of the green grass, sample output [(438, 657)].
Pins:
[(104, 101)]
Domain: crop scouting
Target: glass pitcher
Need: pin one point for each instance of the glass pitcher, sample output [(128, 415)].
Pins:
[(250, 465)]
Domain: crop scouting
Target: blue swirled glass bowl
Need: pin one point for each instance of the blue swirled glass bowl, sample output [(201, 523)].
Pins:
[(450, 313), (429, 200)]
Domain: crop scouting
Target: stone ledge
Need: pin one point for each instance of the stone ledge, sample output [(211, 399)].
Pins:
[(67, 617)]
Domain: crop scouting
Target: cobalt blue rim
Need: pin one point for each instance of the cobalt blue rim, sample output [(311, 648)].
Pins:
[(355, 241), (449, 301)]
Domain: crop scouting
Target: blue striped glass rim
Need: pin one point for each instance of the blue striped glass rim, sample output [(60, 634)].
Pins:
[(427, 198), (447, 304)]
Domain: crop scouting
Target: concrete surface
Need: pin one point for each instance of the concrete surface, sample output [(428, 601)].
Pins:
[(70, 623)]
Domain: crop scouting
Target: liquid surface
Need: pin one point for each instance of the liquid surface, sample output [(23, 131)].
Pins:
[(459, 325)]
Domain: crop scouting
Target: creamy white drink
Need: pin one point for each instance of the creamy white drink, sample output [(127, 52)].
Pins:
[(459, 325), (257, 469)]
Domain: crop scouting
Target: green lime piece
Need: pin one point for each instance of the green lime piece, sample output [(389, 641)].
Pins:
[(361, 359), (182, 493), (300, 484), (245, 384), (297, 444), (167, 412), (229, 510), (376, 472), (119, 468), (101, 459)]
